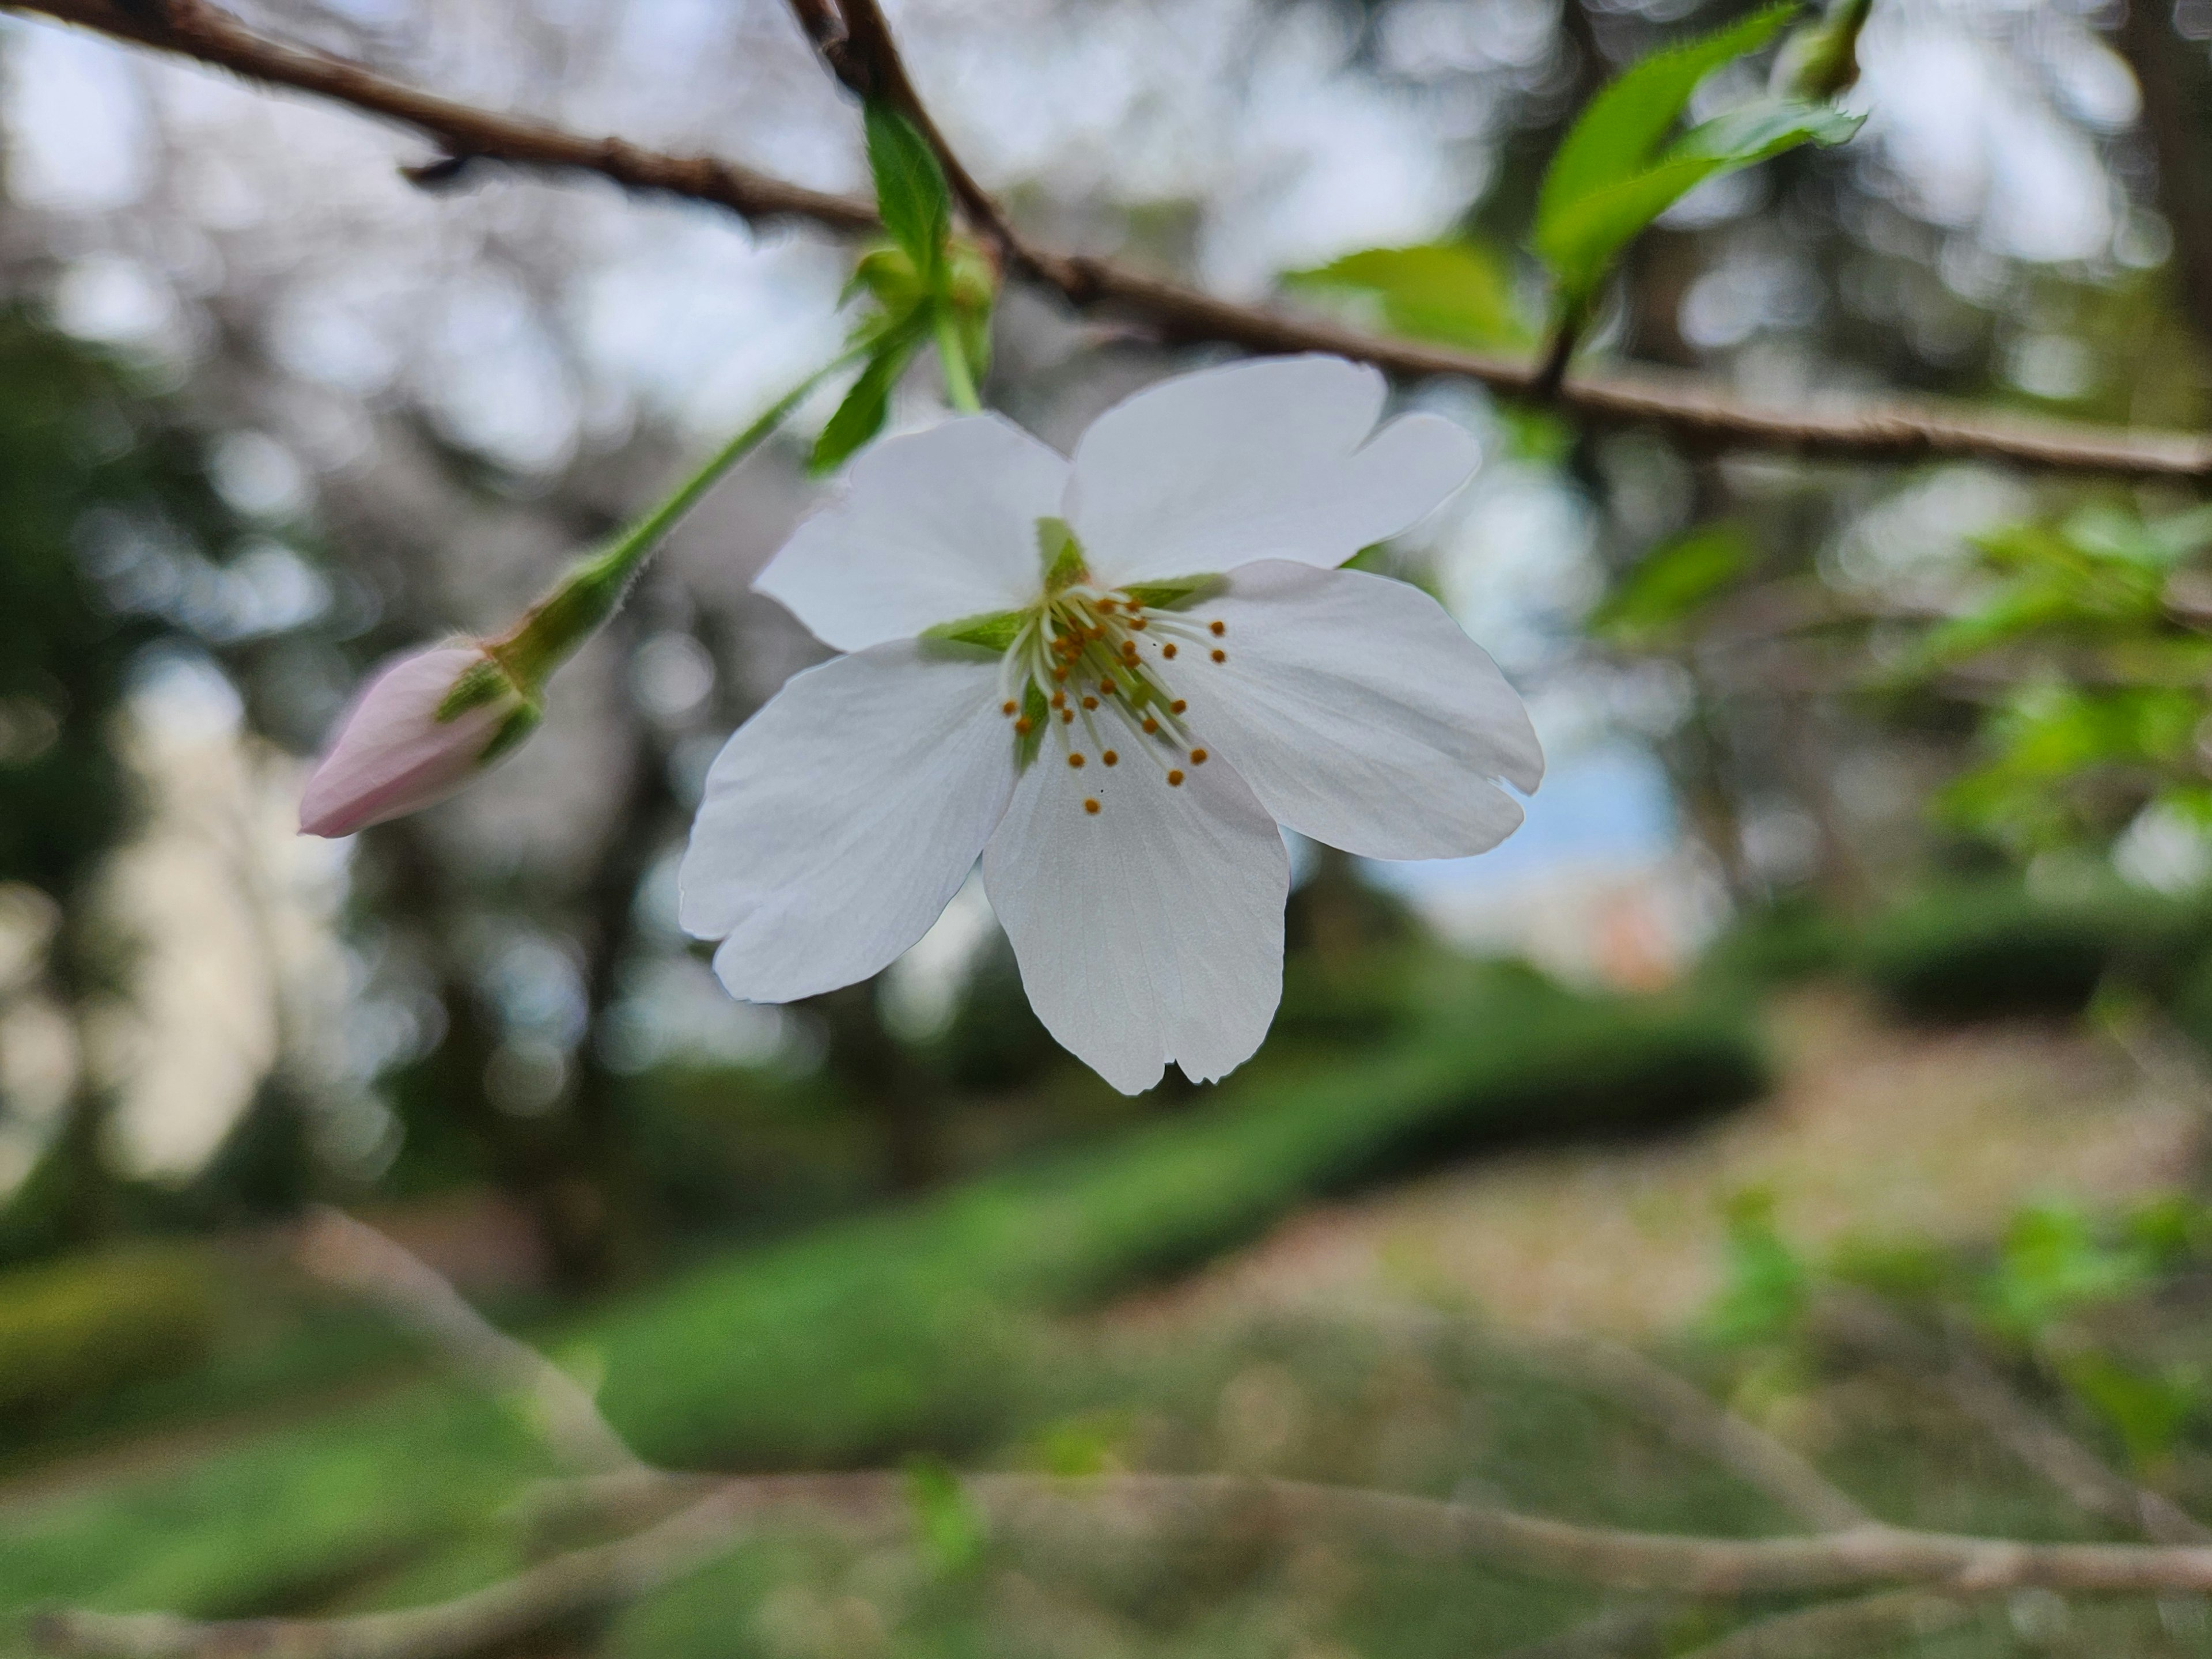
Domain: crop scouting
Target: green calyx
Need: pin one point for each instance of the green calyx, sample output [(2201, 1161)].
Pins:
[(1176, 593), (1060, 555), (488, 683), (994, 631)]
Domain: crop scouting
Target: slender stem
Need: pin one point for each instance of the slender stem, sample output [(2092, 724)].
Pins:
[(592, 589), (959, 381), (636, 542)]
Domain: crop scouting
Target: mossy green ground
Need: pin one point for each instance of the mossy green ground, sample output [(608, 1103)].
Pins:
[(943, 1328)]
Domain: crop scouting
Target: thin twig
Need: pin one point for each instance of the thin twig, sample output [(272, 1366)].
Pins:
[(342, 1251), (1637, 1630), (1692, 1418), (864, 56), (196, 29), (1023, 1506), (1695, 411), (1839, 1626), (1975, 1386)]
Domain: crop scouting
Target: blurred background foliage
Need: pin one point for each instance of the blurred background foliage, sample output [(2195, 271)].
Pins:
[(1878, 809)]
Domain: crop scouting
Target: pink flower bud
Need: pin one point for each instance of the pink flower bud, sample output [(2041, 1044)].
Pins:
[(393, 755)]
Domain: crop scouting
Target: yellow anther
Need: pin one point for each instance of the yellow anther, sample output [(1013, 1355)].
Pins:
[(1167, 650), (1090, 805), (1175, 780), (1090, 702), (1076, 760), (1067, 717), (1198, 757), (1023, 725), (1221, 656), (1060, 700), (1110, 758), (1141, 623), (1151, 725), (1217, 629), (1177, 706), (1008, 707)]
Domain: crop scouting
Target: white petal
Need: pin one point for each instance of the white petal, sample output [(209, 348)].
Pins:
[(839, 821), (1360, 713), (929, 528), (1277, 458), (1150, 931)]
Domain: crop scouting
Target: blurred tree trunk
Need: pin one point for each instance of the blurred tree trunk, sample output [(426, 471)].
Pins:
[(84, 1191), (867, 1062), (529, 1159), (2176, 83), (602, 1143)]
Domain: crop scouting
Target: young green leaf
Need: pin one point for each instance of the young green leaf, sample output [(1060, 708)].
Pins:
[(1455, 292), (1618, 129), (952, 1528), (910, 190), (1769, 1283), (1580, 240), (1673, 581), (861, 417)]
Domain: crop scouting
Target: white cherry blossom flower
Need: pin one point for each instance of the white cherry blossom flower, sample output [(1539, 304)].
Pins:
[(1112, 678)]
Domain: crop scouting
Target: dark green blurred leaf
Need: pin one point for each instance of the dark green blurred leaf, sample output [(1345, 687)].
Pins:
[(910, 190), (1674, 580), (1456, 293)]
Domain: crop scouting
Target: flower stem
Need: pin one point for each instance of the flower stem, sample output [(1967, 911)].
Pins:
[(959, 383), (592, 591)]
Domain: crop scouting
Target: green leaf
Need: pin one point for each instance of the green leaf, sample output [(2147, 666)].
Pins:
[(1618, 130), (1769, 1284), (1753, 131), (861, 417), (1580, 240), (950, 1526), (1456, 294), (2147, 1411), (910, 190), (1673, 581)]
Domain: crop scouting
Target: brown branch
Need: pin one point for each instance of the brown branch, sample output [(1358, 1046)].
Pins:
[(196, 29), (1977, 1389), (865, 57), (1023, 1506), (1692, 1418), (336, 1248), (1694, 411)]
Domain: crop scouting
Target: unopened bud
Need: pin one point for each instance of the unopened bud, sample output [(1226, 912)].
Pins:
[(418, 732), (1821, 61)]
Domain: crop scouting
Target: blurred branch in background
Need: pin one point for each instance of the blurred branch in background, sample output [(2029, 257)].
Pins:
[(1696, 413), (1859, 1553)]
